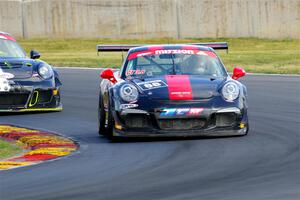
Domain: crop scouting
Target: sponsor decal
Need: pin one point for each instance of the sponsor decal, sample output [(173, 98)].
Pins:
[(179, 87), (174, 51), (128, 106), (202, 53), (135, 72), (180, 94), (152, 84), (4, 85), (6, 75), (172, 112), (195, 111), (159, 51)]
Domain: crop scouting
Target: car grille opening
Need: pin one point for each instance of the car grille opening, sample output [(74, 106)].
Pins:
[(44, 96), (225, 119), (182, 124), (137, 121), (8, 100)]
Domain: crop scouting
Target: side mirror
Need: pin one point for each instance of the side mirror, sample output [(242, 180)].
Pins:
[(238, 73), (34, 54), (109, 75)]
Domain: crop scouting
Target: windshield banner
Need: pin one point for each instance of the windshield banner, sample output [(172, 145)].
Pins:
[(171, 51)]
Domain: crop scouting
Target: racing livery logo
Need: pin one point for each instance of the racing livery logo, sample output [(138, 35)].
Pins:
[(174, 51), (6, 75), (171, 112), (4, 83), (171, 51)]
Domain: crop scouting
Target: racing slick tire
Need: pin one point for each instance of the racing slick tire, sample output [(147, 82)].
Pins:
[(110, 123), (101, 116)]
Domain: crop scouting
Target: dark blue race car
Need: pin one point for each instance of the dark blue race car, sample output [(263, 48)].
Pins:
[(26, 84), (172, 90)]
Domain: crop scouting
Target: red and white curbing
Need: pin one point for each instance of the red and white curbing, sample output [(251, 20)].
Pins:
[(39, 145)]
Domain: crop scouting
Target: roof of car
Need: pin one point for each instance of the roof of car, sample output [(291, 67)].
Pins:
[(6, 36), (169, 46)]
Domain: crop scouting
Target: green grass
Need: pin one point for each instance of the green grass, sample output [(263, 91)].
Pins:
[(255, 55), (8, 149)]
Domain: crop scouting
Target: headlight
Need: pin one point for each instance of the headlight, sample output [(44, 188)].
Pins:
[(129, 93), (45, 71), (230, 91)]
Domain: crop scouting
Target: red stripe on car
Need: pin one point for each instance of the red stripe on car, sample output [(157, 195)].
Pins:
[(179, 87), (211, 54), (7, 37)]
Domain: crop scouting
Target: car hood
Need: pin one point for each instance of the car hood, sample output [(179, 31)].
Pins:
[(179, 87), (17, 68)]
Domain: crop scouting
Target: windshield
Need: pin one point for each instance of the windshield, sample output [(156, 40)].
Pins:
[(10, 48), (170, 62)]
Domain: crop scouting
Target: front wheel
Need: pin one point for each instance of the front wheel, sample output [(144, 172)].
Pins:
[(110, 122), (101, 116)]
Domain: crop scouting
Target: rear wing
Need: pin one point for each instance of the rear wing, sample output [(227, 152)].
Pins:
[(116, 48)]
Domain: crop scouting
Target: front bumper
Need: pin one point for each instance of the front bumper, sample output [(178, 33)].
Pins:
[(30, 99), (191, 133), (212, 122), (58, 108)]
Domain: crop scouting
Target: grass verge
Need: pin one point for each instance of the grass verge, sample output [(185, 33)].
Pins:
[(254, 55), (8, 149)]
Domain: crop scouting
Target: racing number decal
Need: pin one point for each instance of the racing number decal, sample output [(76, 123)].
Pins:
[(152, 85)]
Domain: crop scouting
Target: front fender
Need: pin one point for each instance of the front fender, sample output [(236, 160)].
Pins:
[(56, 78)]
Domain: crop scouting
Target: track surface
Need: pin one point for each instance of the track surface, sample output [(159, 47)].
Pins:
[(263, 165)]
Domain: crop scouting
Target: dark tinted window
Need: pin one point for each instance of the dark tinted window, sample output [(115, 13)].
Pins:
[(177, 63)]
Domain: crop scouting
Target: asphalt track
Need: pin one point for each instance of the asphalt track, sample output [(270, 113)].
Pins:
[(263, 165)]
